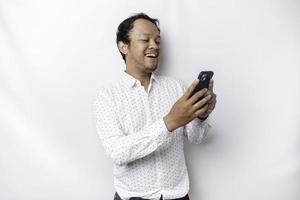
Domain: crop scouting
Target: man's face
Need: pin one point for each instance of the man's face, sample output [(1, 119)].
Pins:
[(143, 49)]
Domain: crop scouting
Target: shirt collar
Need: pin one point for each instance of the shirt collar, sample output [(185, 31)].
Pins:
[(130, 81)]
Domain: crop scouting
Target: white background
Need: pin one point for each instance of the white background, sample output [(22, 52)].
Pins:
[(55, 54)]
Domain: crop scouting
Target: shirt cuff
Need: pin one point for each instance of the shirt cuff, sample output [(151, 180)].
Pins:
[(162, 132), (203, 122)]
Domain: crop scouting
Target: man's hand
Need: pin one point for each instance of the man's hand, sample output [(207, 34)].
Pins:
[(211, 103), (187, 108)]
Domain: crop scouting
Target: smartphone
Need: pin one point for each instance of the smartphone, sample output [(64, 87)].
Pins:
[(204, 78)]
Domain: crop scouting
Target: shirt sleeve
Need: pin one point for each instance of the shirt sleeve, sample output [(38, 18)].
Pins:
[(196, 131), (123, 148)]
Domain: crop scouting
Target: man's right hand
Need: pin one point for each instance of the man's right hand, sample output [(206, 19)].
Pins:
[(186, 108)]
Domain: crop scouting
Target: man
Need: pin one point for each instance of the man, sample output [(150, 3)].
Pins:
[(142, 120)]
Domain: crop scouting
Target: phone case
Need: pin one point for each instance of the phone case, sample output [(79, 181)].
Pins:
[(204, 78)]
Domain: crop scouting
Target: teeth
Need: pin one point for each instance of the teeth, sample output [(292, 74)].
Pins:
[(151, 55)]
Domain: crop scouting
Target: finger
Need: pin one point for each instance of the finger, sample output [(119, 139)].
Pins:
[(201, 103), (190, 89), (211, 107), (211, 85), (213, 99), (201, 111), (208, 92), (198, 95)]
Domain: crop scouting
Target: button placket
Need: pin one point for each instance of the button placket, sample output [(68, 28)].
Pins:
[(158, 160)]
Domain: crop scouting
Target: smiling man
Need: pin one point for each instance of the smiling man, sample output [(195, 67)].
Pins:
[(142, 120)]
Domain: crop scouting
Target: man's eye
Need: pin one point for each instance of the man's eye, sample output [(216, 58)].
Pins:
[(145, 40)]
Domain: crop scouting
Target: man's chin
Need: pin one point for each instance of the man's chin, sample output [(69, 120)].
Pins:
[(151, 68)]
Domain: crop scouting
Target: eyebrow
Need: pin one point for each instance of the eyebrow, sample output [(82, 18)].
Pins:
[(148, 34)]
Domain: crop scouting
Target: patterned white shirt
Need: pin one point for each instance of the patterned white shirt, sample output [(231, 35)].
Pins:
[(148, 159)]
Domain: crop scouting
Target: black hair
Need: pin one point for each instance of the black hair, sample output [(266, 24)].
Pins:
[(126, 25)]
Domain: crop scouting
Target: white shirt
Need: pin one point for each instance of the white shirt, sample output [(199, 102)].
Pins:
[(148, 159)]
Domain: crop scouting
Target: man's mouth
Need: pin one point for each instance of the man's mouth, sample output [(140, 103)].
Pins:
[(151, 55)]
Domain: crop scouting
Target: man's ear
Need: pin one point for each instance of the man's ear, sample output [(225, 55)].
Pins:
[(123, 47)]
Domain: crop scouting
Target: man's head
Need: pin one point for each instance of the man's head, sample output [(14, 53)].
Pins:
[(138, 40)]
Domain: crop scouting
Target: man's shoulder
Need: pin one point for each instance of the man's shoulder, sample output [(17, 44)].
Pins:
[(108, 89), (170, 81)]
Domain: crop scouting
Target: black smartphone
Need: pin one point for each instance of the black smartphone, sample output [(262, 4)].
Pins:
[(204, 78)]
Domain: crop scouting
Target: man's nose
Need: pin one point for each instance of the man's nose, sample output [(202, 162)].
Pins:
[(153, 44)]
